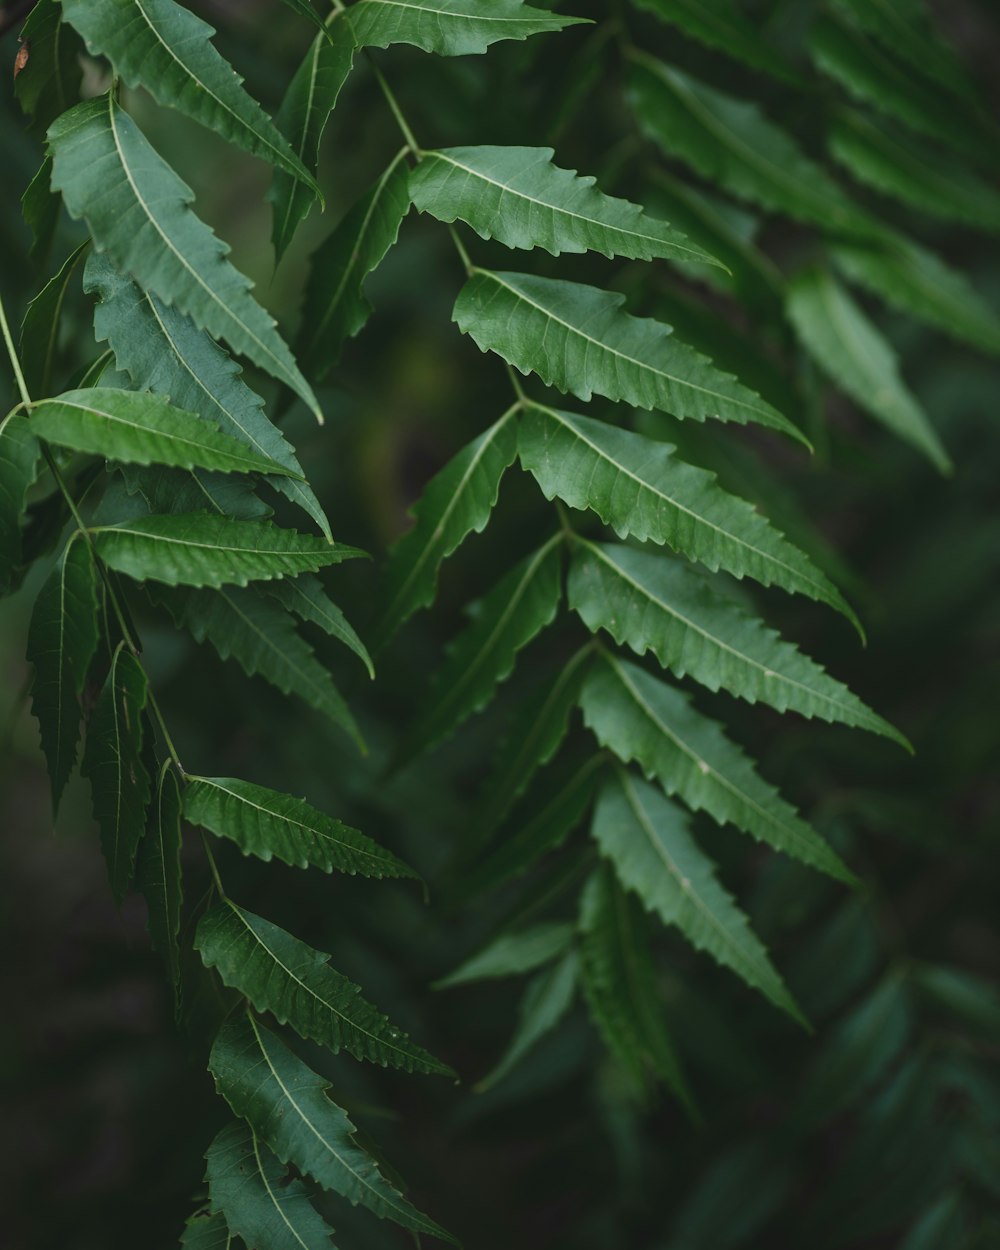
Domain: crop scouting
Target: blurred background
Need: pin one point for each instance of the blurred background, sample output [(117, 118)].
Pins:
[(882, 1128)]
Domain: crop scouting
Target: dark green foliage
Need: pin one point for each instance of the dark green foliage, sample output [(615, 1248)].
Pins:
[(583, 666)]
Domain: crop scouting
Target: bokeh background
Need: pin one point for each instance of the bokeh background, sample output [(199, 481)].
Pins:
[(881, 1128)]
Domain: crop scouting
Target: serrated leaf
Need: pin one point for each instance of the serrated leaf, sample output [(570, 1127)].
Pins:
[(40, 327), (550, 811), (535, 733), (721, 25), (114, 763), (641, 489), (335, 306), (19, 457), (262, 638), (167, 49), (199, 549), (280, 974), (731, 143), (913, 173), (260, 1203), (456, 502), (138, 211), (655, 603), (450, 27), (40, 210), (142, 428), (518, 197), (642, 718), (905, 27), (159, 872), (511, 954), (855, 356), (546, 1001), (162, 350), (173, 491), (286, 1105), (205, 1231), (646, 840), (49, 81), (62, 640), (872, 75), (619, 985), (578, 339), (918, 282), (269, 824), (518, 607), (310, 99), (304, 595)]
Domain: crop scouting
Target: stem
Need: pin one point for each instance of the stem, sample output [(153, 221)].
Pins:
[(212, 864), (397, 112), (22, 386)]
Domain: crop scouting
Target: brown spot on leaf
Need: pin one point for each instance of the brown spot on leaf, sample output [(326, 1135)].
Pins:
[(21, 60)]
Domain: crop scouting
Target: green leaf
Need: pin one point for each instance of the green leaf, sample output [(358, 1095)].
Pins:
[(642, 718), (619, 984), (159, 872), (542, 822), (280, 974), (176, 490), (546, 1001), (721, 25), (162, 350), (849, 349), (286, 1105), (335, 306), (305, 9), (518, 607), (262, 638), (138, 211), (517, 196), (512, 954), (732, 144), (19, 457), (62, 640), (268, 824), (449, 27), (905, 27), (641, 489), (916, 281), (871, 75), (114, 762), (646, 839), (305, 596), (40, 209), (205, 1231), (456, 502), (658, 604), (40, 327), (166, 49), (310, 99), (913, 174), (577, 339), (141, 428), (198, 549), (535, 733), (49, 81), (261, 1204)]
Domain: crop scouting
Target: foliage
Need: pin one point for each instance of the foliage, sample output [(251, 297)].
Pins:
[(711, 264)]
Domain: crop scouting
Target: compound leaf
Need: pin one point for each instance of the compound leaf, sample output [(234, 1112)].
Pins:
[(138, 211), (456, 502), (517, 196), (62, 641), (578, 339), (658, 604), (269, 824), (280, 974), (646, 840)]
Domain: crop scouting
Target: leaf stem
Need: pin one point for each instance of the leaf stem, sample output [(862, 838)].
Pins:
[(214, 867), (393, 103), (12, 353)]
